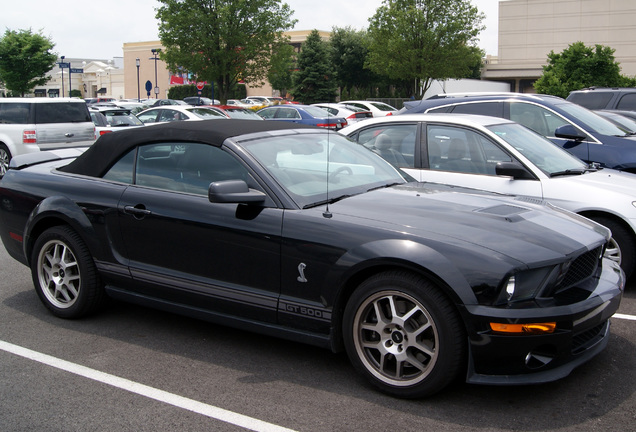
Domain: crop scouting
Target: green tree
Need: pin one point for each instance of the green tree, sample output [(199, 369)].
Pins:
[(349, 50), (281, 68), (424, 40), (314, 80), (222, 41), (25, 58), (579, 66)]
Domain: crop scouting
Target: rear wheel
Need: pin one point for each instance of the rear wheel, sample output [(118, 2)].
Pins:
[(5, 158), (64, 274), (404, 335)]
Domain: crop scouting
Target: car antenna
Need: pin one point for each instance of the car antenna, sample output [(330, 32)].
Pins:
[(327, 214)]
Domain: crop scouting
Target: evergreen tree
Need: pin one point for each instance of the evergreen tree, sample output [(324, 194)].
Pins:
[(314, 81), (349, 50)]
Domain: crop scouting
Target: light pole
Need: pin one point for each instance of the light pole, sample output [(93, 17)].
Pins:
[(138, 94), (62, 68), (155, 52)]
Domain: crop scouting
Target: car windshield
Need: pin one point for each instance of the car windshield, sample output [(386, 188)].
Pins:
[(595, 122), (317, 112), (119, 119), (382, 106), (243, 114), (316, 168), (546, 155), (206, 113)]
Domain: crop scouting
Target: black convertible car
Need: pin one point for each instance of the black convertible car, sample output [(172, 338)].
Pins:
[(300, 233)]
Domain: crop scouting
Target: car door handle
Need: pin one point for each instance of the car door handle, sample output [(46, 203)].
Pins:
[(138, 211)]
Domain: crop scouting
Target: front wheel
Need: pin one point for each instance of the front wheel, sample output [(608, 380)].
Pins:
[(622, 246), (64, 274), (404, 335)]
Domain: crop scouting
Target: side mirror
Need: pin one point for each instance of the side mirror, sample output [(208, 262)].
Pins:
[(514, 170), (569, 132), (234, 191)]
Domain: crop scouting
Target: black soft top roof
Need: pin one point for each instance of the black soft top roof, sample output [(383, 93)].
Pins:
[(110, 147)]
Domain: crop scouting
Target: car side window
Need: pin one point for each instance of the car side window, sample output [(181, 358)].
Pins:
[(462, 150), (287, 113), (180, 167), (493, 109), (148, 116), (123, 169), (14, 113), (168, 115), (534, 117), (627, 102), (394, 142), (268, 113)]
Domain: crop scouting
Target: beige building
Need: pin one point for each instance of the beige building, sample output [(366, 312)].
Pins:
[(530, 29), (92, 78)]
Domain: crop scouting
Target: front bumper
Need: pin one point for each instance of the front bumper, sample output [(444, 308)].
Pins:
[(582, 332)]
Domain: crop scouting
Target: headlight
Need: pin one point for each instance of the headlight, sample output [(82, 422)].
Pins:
[(524, 285)]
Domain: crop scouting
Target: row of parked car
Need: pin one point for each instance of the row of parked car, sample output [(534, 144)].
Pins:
[(302, 233), (598, 182)]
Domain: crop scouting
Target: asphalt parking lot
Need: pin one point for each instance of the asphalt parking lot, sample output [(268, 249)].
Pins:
[(136, 369)]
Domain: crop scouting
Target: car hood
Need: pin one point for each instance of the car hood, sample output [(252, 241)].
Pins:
[(518, 228), (608, 180)]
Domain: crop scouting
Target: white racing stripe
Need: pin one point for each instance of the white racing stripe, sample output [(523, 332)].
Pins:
[(144, 390)]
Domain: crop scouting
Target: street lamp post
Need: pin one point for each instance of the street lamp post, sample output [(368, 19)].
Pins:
[(138, 94), (155, 53), (62, 68)]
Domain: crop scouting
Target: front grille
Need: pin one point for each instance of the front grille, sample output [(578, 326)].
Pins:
[(580, 269)]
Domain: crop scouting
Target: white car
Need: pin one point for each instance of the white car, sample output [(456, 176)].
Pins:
[(168, 113), (349, 112), (242, 103), (499, 155), (379, 109), (112, 119)]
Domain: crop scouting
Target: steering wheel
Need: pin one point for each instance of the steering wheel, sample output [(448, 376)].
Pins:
[(337, 172)]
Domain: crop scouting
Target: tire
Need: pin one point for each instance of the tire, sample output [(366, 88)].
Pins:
[(64, 274), (622, 247), (5, 158), (418, 345)]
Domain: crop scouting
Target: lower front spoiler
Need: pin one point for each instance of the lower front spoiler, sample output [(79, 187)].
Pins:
[(540, 377)]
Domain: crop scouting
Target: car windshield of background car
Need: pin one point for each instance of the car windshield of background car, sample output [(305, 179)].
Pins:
[(316, 167), (317, 112), (594, 121), (382, 106), (206, 113), (117, 119), (546, 155)]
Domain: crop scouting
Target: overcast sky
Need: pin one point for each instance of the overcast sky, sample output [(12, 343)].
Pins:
[(98, 30)]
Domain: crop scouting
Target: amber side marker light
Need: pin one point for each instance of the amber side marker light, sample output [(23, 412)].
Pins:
[(529, 328)]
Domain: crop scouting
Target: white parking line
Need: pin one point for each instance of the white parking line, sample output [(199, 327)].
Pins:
[(143, 390), (623, 316)]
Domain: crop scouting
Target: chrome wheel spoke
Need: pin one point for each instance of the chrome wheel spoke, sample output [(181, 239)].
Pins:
[(59, 274), (396, 338)]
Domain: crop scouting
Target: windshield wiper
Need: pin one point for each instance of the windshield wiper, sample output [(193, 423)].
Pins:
[(577, 171), (388, 185), (327, 201)]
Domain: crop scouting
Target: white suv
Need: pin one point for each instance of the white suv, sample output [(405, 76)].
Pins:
[(32, 124)]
